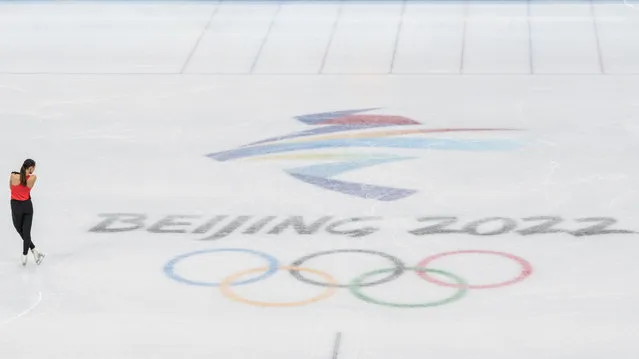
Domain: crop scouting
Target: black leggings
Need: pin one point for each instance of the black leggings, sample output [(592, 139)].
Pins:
[(22, 213)]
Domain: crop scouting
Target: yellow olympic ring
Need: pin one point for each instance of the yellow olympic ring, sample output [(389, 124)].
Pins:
[(226, 291)]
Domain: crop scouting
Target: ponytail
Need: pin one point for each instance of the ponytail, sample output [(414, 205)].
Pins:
[(23, 170), (23, 175)]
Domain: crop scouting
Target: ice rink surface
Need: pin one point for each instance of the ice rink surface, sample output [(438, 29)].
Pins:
[(310, 180)]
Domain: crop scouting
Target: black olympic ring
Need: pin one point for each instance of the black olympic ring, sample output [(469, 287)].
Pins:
[(399, 268)]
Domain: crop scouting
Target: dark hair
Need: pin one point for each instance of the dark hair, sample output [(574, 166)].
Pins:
[(23, 170)]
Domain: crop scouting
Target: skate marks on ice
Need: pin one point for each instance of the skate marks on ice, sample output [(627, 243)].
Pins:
[(23, 313), (22, 291)]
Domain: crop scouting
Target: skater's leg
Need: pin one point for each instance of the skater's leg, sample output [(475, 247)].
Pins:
[(17, 217), (27, 220), (26, 233)]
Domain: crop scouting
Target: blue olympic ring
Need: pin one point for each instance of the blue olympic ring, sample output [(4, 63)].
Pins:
[(273, 265)]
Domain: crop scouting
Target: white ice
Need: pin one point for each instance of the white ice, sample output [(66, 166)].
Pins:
[(119, 103)]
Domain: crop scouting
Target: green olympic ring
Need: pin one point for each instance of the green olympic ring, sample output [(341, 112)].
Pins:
[(356, 288)]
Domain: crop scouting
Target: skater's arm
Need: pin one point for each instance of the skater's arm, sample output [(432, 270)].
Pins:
[(11, 177), (31, 181)]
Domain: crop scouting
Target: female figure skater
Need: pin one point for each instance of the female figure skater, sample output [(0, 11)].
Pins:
[(20, 184)]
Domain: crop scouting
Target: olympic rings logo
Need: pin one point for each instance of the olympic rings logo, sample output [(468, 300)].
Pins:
[(356, 285)]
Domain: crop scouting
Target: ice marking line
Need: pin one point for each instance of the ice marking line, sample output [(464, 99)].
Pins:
[(338, 340), (199, 39), (27, 311)]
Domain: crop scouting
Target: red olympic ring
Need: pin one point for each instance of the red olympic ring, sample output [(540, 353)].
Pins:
[(525, 272)]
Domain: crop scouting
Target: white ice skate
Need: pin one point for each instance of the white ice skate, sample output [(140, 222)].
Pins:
[(39, 257), (24, 260)]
